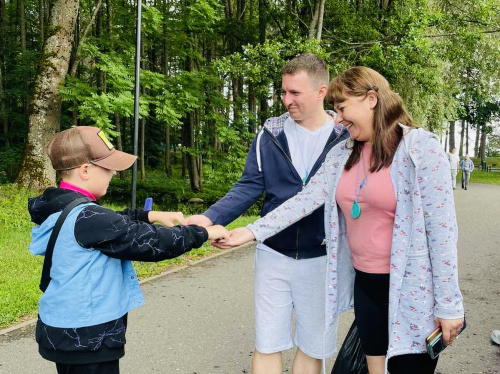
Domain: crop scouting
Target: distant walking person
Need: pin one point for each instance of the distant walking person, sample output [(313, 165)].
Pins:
[(454, 164), (467, 167)]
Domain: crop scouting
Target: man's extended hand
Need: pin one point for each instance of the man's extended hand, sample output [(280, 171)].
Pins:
[(199, 220), (166, 218), (237, 237)]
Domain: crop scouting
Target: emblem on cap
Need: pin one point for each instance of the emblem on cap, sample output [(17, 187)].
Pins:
[(105, 140)]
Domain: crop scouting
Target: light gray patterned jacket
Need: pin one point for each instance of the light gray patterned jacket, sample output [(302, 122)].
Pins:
[(423, 273)]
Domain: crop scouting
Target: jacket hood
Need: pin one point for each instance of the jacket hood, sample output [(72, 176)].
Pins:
[(53, 200), (42, 209), (275, 125), (411, 135)]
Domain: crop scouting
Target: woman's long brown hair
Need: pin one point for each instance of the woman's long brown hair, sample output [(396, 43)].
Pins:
[(388, 113)]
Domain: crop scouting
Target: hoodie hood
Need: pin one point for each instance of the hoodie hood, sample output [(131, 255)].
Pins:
[(45, 210), (53, 200)]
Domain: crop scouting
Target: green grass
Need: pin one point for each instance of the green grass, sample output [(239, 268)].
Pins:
[(479, 176), (20, 270)]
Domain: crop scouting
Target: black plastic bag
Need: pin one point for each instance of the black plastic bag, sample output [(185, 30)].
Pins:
[(351, 358)]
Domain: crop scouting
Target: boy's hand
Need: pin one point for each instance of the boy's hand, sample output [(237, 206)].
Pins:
[(199, 220), (217, 232), (237, 237), (166, 218)]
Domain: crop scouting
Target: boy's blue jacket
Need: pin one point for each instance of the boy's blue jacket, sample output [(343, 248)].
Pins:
[(82, 314), (269, 169), (107, 288)]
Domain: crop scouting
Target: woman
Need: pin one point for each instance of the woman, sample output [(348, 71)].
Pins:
[(390, 226)]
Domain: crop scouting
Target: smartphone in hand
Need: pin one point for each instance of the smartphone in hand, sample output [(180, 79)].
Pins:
[(434, 342)]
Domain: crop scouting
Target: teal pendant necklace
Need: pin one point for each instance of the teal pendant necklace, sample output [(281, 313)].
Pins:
[(356, 209)]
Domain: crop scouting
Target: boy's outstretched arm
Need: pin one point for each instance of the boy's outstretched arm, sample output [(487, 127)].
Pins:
[(118, 236)]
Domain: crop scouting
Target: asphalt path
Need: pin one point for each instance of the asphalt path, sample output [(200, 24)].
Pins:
[(199, 319)]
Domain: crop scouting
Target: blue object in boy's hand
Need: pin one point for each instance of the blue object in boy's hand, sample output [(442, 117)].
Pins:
[(148, 204)]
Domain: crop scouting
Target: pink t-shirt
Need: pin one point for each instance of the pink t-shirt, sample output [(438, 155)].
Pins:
[(370, 235), (69, 186)]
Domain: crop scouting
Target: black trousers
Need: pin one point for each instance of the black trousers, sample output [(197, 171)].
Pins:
[(109, 367)]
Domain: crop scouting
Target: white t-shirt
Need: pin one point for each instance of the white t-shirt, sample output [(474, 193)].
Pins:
[(454, 160), (306, 146)]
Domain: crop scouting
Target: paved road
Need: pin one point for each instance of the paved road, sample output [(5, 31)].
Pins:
[(199, 320)]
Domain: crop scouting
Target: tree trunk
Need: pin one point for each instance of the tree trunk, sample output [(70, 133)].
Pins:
[(168, 161), (446, 141), (41, 22), (44, 112), (462, 134), (314, 20), (385, 4), (22, 24), (452, 135), (142, 149), (252, 105), (236, 106), (3, 108), (119, 143), (482, 147), (164, 64), (142, 135), (75, 61), (191, 163), (262, 22), (320, 19), (476, 144), (466, 138)]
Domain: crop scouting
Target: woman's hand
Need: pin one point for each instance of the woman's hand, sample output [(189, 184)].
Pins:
[(166, 218), (237, 237), (450, 328)]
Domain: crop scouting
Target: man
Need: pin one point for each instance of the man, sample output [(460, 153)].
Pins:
[(467, 167), (289, 267), (454, 164)]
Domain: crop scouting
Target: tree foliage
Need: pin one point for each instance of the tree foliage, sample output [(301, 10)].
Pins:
[(211, 68)]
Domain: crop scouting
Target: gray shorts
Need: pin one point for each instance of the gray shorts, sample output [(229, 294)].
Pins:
[(281, 285)]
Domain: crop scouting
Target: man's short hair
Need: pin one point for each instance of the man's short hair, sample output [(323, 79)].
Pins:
[(315, 67)]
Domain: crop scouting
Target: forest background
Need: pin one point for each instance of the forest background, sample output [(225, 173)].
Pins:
[(210, 76)]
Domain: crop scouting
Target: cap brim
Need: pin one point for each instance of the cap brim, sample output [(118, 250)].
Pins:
[(116, 161)]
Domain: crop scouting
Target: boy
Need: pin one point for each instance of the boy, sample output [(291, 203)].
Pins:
[(83, 312)]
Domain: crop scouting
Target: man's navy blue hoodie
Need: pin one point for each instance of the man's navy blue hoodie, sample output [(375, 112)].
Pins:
[(269, 169)]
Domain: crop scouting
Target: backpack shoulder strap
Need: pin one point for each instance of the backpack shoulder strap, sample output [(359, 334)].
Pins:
[(47, 263)]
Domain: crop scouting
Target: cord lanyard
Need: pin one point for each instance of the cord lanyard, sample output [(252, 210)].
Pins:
[(356, 209)]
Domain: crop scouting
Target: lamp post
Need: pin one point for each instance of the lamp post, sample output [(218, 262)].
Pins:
[(136, 99)]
